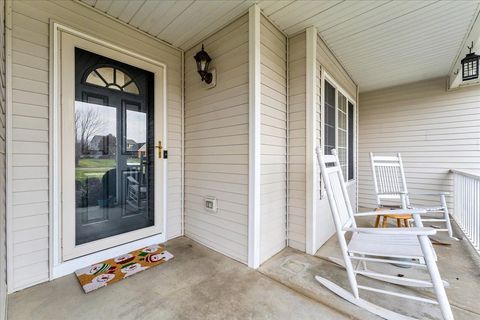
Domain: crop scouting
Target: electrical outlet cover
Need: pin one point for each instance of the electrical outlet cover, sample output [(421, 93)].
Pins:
[(210, 204)]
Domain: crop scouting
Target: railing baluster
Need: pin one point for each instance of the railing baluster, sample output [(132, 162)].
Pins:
[(466, 204)]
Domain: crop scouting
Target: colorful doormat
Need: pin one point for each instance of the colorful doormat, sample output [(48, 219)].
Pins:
[(113, 270)]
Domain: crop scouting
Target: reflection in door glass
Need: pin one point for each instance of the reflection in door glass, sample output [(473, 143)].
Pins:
[(113, 150), (95, 160), (136, 130)]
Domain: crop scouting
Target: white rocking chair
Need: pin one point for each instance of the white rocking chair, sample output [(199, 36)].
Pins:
[(407, 246), (391, 185)]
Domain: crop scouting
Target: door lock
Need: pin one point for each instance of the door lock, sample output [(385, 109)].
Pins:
[(160, 148)]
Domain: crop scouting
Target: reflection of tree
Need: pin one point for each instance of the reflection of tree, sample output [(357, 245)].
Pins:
[(87, 123)]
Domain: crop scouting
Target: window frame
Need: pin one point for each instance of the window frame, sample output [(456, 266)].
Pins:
[(349, 99)]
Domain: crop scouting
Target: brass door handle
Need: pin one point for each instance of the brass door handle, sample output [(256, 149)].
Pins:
[(160, 148)]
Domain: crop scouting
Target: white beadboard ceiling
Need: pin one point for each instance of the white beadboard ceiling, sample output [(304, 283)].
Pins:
[(381, 43)]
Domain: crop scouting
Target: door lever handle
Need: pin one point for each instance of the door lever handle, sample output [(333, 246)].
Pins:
[(160, 148)]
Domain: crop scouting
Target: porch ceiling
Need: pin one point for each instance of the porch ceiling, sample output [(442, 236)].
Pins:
[(380, 43)]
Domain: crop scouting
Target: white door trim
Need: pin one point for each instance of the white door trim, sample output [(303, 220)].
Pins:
[(57, 266)]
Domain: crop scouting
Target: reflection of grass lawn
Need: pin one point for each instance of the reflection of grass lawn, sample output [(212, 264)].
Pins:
[(88, 168), (96, 163)]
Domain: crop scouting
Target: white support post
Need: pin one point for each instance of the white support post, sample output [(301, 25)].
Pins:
[(254, 138), (310, 123), (9, 144)]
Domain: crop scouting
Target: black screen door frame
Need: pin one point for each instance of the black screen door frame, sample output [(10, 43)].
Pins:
[(64, 144)]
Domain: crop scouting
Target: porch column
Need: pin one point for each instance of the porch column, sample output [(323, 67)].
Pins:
[(254, 138)]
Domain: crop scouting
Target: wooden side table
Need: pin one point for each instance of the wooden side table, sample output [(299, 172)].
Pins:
[(399, 217)]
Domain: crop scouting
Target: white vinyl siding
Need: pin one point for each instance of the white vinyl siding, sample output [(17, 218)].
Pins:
[(3, 247), (318, 123), (296, 141), (273, 179), (326, 62), (216, 143), (30, 84), (332, 66), (434, 130)]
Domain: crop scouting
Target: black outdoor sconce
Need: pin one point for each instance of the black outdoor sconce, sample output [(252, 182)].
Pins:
[(203, 61), (470, 65)]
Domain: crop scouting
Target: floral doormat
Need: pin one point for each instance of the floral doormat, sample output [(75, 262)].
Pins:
[(113, 270)]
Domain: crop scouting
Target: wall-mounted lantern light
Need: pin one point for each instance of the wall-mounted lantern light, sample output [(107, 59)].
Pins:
[(470, 65), (203, 61)]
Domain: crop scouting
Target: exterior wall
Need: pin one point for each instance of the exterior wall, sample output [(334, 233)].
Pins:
[(273, 179), (325, 62), (332, 66), (434, 130), (30, 90), (296, 141), (216, 143), (3, 225)]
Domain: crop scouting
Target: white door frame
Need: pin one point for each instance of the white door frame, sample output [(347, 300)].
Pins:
[(58, 265)]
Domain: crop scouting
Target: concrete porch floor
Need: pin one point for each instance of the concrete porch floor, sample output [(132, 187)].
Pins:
[(202, 284), (198, 284), (458, 264)]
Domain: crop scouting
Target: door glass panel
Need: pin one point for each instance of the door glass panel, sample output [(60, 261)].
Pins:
[(136, 122), (121, 79), (94, 78), (112, 78), (131, 88), (114, 149), (95, 158), (107, 74)]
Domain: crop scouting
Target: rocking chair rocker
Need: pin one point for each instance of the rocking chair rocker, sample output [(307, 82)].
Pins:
[(408, 246)]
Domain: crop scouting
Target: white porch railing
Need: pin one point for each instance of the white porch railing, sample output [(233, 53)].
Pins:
[(466, 202)]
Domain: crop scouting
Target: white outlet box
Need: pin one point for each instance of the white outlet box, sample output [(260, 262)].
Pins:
[(210, 204)]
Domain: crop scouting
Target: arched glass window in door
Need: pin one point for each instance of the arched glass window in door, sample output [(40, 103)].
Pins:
[(112, 78)]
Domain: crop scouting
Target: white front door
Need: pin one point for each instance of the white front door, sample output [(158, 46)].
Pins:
[(112, 129)]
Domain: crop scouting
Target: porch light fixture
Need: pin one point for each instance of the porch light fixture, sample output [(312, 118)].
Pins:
[(203, 61), (470, 65)]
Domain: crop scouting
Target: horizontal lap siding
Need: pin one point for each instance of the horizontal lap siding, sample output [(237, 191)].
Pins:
[(273, 178), (216, 143), (333, 67), (30, 83), (296, 146), (327, 62), (318, 122), (433, 129)]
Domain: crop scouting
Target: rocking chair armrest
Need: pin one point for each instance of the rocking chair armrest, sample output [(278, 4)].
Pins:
[(440, 193), (395, 231), (392, 193), (396, 211)]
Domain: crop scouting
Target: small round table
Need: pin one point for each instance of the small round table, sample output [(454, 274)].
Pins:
[(405, 218)]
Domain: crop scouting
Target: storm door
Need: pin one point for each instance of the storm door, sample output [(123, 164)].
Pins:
[(111, 152), (114, 148)]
